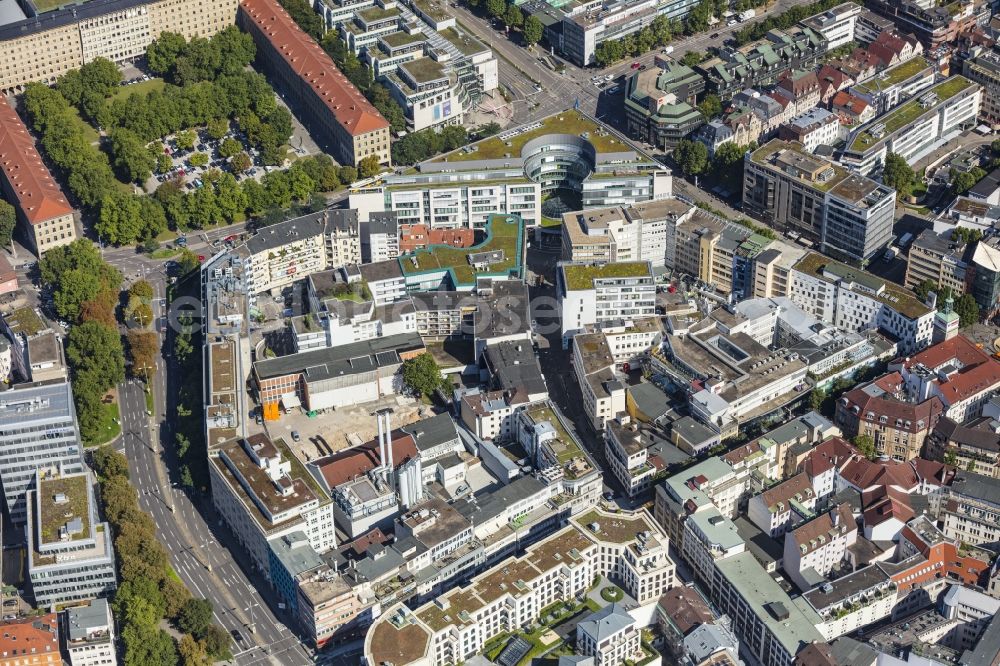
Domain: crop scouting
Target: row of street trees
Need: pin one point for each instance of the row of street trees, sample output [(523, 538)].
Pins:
[(531, 29), (149, 591)]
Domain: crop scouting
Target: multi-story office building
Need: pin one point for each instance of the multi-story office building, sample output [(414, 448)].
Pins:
[(511, 172), (70, 557), (90, 635), (642, 232), (931, 24), (431, 95), (891, 86), (591, 294), (984, 68), (939, 258), (34, 638), (913, 129), (340, 114), (661, 103), (837, 24), (586, 25), (278, 255), (45, 218), (628, 548), (262, 492), (761, 63), (45, 47), (603, 392), (381, 237), (850, 215), (859, 301), (38, 432)]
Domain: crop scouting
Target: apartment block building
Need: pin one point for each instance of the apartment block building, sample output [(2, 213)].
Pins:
[(836, 25), (70, 558), (970, 509), (859, 301), (37, 637), (610, 636), (278, 255), (262, 492), (816, 127), (381, 237), (626, 547), (90, 634), (44, 217), (930, 24), (39, 433), (594, 293), (817, 546), (594, 366), (850, 216), (44, 48), (974, 447), (913, 129), (339, 114), (894, 85)]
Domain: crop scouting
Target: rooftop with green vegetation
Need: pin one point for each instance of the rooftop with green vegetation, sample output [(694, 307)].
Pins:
[(435, 9), (894, 75), (464, 43), (503, 233), (889, 293), (565, 122), (62, 500), (568, 449), (901, 116), (582, 276), (397, 39), (25, 320), (424, 70), (372, 14)]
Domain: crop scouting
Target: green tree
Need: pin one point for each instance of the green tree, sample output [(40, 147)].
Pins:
[(198, 159), (924, 289), (217, 128), (692, 58), (230, 147), (192, 652), (710, 107), (816, 398), (967, 310), (866, 445), (513, 18), (148, 646), (728, 163), (185, 139), (217, 642), (163, 163), (898, 175), (369, 166), (96, 350), (496, 8), (422, 374), (302, 13), (347, 174), (195, 616), (691, 157), (120, 219), (8, 221), (241, 162), (950, 456), (110, 463), (532, 31), (78, 274), (162, 52)]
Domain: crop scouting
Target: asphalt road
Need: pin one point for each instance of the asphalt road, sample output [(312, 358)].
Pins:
[(203, 554)]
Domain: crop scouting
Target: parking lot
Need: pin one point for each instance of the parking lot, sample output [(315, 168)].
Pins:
[(338, 429)]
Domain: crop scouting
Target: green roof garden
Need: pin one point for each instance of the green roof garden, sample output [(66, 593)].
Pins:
[(401, 38), (503, 232), (902, 300), (25, 320), (377, 13), (582, 276), (894, 75), (62, 500), (565, 122), (464, 43), (433, 9), (901, 116), (423, 70)]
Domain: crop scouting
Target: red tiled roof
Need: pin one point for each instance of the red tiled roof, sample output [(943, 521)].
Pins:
[(307, 59), (976, 372), (833, 452), (38, 196), (29, 636), (865, 474), (926, 413), (832, 76), (808, 534), (352, 463), (846, 100), (798, 488), (885, 503)]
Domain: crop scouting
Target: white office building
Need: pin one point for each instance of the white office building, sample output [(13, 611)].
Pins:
[(90, 635), (593, 294)]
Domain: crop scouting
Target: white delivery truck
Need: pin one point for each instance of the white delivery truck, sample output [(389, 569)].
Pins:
[(747, 15)]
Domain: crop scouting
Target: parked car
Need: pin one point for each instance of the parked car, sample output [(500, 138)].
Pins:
[(635, 65), (295, 436)]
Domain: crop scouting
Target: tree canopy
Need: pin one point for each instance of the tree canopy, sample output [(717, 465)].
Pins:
[(898, 175), (422, 374), (691, 156)]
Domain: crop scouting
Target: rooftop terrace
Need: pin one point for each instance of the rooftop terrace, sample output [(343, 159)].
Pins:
[(401, 38), (62, 500), (803, 160), (503, 232), (464, 43), (892, 295), (582, 276), (565, 122), (894, 75), (901, 116)]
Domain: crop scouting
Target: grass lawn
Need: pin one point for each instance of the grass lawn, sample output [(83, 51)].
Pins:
[(142, 88), (165, 252), (551, 222), (173, 574), (89, 133), (49, 5), (149, 400), (110, 428), (503, 235)]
